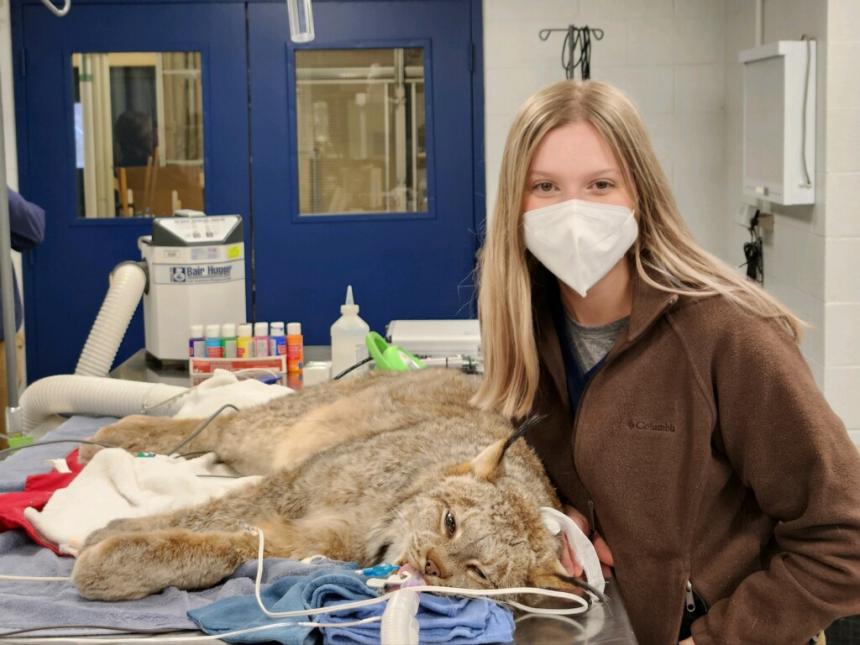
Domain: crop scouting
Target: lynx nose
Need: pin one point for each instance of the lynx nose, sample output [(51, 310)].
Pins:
[(431, 568)]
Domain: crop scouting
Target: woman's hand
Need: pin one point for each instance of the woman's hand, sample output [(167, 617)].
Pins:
[(604, 554)]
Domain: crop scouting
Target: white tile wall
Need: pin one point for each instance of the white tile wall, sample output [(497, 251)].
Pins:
[(699, 171), (843, 204), (843, 19), (667, 55), (700, 88), (843, 384), (844, 88), (842, 252), (843, 331), (843, 140), (842, 267), (812, 254)]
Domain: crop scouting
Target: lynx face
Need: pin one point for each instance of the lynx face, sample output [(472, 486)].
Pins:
[(468, 532), (472, 526)]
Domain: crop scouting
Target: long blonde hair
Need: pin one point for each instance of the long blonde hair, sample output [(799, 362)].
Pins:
[(664, 254)]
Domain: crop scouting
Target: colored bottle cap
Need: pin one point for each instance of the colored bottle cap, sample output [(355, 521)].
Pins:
[(294, 329)]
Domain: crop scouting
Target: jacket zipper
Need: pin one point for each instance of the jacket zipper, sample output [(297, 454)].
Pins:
[(592, 517), (691, 599), (609, 360)]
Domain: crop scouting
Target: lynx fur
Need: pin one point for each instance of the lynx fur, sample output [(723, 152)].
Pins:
[(378, 468)]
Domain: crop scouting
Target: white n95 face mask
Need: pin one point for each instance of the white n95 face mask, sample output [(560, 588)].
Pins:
[(580, 241)]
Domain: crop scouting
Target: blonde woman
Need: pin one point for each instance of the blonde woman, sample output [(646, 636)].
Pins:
[(676, 413)]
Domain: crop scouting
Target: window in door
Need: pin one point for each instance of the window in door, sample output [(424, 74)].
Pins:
[(138, 133), (361, 131)]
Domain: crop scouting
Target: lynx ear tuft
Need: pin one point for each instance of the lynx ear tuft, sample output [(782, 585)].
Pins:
[(488, 460), (486, 464)]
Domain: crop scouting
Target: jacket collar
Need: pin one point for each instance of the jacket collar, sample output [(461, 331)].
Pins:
[(649, 304)]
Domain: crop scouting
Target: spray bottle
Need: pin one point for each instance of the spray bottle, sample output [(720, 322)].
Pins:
[(348, 335)]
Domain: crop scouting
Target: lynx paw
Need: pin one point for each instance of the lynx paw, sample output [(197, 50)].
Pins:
[(107, 571), (122, 525)]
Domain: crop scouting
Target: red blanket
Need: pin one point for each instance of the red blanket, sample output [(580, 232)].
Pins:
[(37, 491)]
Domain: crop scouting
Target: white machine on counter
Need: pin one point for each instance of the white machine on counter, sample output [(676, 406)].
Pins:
[(440, 343), (427, 338), (195, 275)]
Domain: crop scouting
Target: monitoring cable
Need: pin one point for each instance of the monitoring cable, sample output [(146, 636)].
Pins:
[(352, 367), (111, 628), (45, 443), (201, 427)]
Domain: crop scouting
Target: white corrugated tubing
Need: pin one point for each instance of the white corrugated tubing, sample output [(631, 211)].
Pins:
[(89, 391), (127, 282)]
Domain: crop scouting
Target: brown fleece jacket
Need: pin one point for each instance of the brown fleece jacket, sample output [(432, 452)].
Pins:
[(708, 455)]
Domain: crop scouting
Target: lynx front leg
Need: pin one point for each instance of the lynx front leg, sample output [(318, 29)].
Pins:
[(131, 525), (154, 434), (127, 566)]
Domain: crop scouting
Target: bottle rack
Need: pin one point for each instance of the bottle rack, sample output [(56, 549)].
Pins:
[(260, 367)]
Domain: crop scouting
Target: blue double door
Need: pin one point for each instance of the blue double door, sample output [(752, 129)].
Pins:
[(414, 258)]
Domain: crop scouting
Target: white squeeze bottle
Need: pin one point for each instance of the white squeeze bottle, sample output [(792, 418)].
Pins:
[(348, 335)]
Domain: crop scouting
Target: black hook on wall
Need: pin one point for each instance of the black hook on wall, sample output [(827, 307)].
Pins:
[(576, 38)]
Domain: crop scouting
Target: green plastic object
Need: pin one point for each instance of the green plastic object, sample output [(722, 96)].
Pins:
[(18, 440), (391, 358)]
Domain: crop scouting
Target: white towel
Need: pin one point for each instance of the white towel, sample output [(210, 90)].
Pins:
[(223, 387), (116, 484)]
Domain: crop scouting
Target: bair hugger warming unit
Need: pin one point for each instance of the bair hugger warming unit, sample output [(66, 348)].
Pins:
[(195, 267)]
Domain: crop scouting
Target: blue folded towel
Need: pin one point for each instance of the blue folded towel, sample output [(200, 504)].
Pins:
[(442, 619)]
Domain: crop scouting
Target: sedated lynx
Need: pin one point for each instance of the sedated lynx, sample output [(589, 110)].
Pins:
[(395, 468)]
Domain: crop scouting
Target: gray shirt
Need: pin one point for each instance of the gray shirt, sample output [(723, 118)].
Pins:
[(590, 344)]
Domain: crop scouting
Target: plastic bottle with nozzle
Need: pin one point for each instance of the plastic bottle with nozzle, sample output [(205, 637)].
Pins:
[(348, 337)]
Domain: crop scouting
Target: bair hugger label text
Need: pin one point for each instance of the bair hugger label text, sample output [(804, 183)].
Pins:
[(199, 273)]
